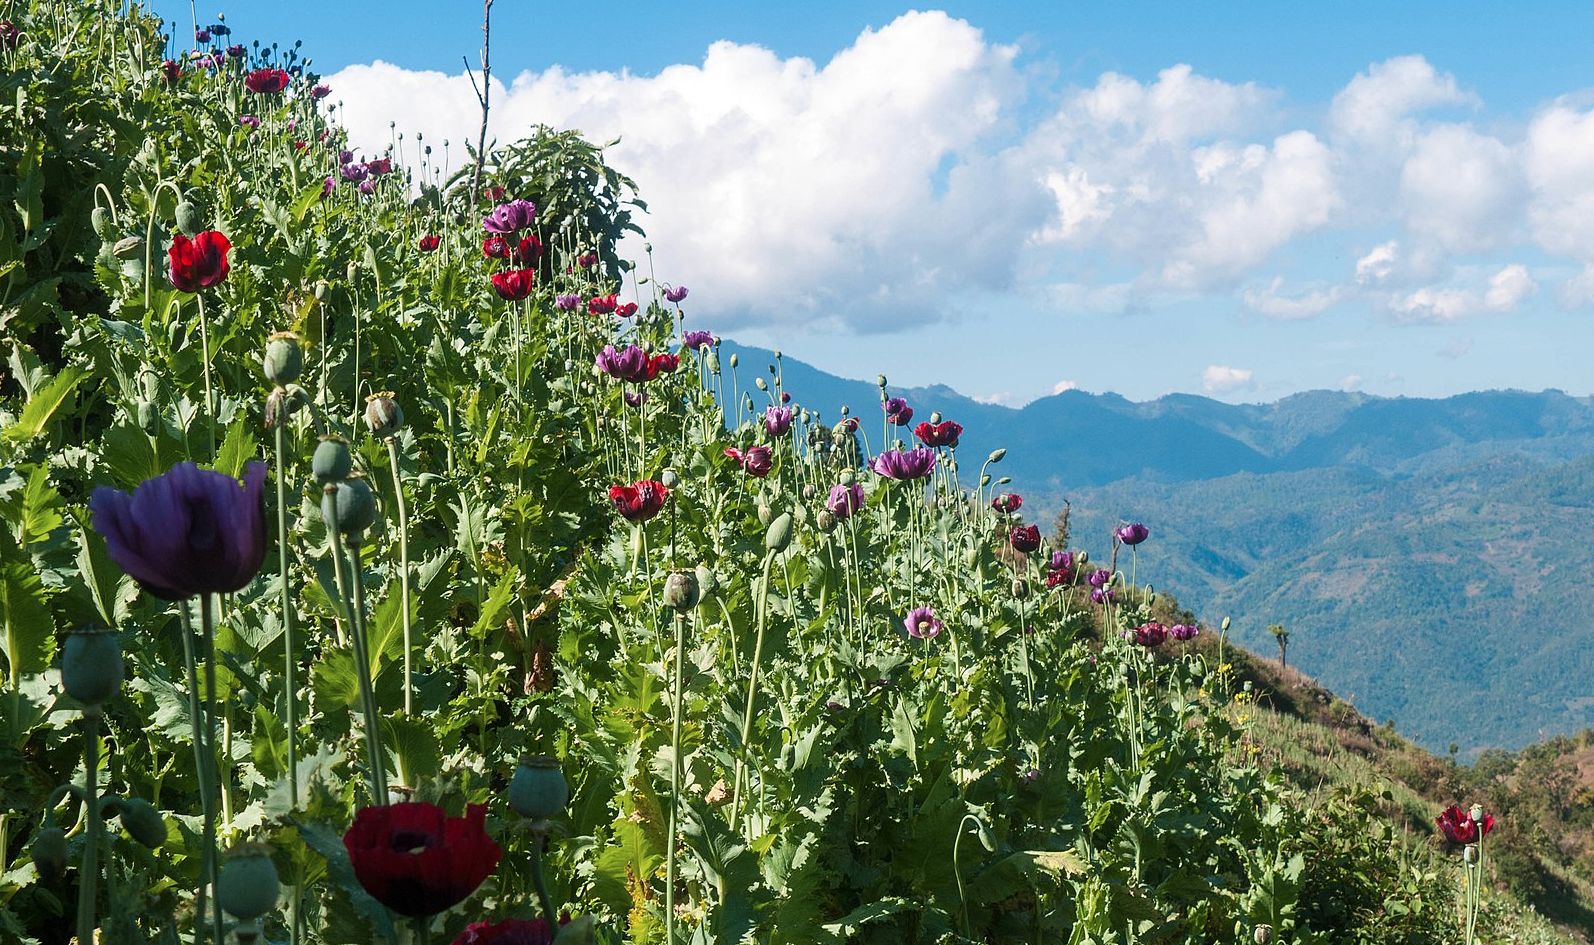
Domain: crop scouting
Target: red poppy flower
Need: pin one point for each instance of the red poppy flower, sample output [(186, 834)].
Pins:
[(945, 433), (418, 861), (587, 260), (507, 932), (380, 166), (1025, 538), (1007, 503), (626, 310), (171, 69), (757, 461), (321, 91), (603, 304), (10, 35), (527, 252), (639, 501), (662, 364), (495, 247), (266, 80), (198, 263), (301, 145), (515, 285), (1056, 578), (1458, 826), (429, 243)]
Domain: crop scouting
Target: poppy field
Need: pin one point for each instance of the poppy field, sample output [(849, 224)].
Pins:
[(388, 559)]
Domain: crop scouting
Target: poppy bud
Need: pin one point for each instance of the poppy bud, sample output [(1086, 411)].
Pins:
[(765, 513), (101, 219), (707, 580), (248, 886), (761, 384), (148, 417), (383, 415), (1262, 935), (935, 416), (283, 361), (779, 535), (971, 557), (538, 790), (188, 219), (1224, 626), (713, 359), (143, 822), (881, 380), (669, 477), (91, 666), (332, 461), (1020, 589), (1470, 854), (987, 838), (128, 247), (356, 507), (735, 361), (826, 521), (1004, 480), (276, 408), (49, 852), (681, 591), (996, 456)]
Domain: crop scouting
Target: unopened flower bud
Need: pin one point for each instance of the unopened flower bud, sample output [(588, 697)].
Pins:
[(332, 461), (1469, 854), (765, 513), (669, 478), (1004, 480), (128, 247), (189, 221), (881, 380), (49, 852), (1262, 935), (996, 456), (100, 219), (779, 535), (143, 822), (538, 790), (808, 492), (734, 361), (149, 417), (298, 399), (383, 415), (1020, 589), (681, 592), (761, 384), (356, 507), (283, 361), (91, 666), (247, 886), (825, 521), (713, 359)]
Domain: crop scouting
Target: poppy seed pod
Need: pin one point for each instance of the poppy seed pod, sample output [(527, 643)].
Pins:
[(761, 384), (1262, 935), (881, 380), (356, 505), (538, 790), (148, 417), (681, 592), (332, 461), (91, 666), (935, 416), (143, 822), (283, 361), (49, 852), (669, 477), (779, 535), (383, 415), (712, 358), (847, 477), (248, 886)]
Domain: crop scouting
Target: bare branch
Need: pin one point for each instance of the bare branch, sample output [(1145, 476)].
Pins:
[(481, 95)]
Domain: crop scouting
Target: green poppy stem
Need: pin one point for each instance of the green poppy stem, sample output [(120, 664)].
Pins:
[(362, 664), (207, 802), (404, 575), (204, 351), (540, 881), (678, 696), (89, 874), (752, 686)]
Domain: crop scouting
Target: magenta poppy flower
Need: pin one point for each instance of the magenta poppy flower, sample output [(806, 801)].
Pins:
[(675, 294), (640, 500), (777, 420), (186, 532), (380, 166), (201, 36), (697, 340), (1103, 595), (1061, 561), (909, 465), (1133, 534), (266, 80), (921, 623), (567, 301), (198, 263), (1183, 632), (634, 364), (897, 411), (757, 461), (328, 186), (635, 398), (366, 187), (249, 121), (508, 932), (321, 91), (514, 285), (845, 500), (1459, 827), (1148, 635), (945, 433), (1007, 503), (1025, 538), (1100, 577), (510, 217), (354, 172), (236, 51)]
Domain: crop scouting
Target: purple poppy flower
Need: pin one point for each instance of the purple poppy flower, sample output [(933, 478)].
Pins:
[(897, 411), (757, 461), (921, 623), (1029, 776), (913, 464), (367, 187), (1133, 534), (354, 173), (777, 420), (845, 500), (628, 365), (1102, 595), (189, 531), (249, 121), (697, 340), (1100, 577), (345, 157), (201, 36), (327, 186), (1061, 561), (675, 293), (1183, 632), (236, 51), (510, 217), (635, 398), (567, 301)]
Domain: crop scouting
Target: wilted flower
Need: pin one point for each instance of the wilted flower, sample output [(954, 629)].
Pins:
[(514, 285), (510, 217), (1007, 503), (845, 499), (266, 80), (1459, 827), (757, 461), (777, 420), (675, 293), (945, 433), (1133, 534), (896, 464), (187, 532), (897, 411), (567, 301), (416, 860), (635, 398), (429, 243), (640, 500), (1024, 538), (921, 623), (10, 34), (697, 340), (587, 260), (171, 69)]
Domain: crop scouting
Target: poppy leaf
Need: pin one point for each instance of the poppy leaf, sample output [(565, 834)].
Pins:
[(44, 403), (24, 612)]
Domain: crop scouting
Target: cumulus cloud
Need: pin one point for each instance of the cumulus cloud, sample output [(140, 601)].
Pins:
[(1226, 380), (1352, 382), (1273, 302), (1501, 293), (1061, 386)]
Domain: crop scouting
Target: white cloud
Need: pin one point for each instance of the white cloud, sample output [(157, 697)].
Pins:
[(1270, 301), (1502, 293), (1061, 386), (1351, 382), (1003, 399), (1461, 189), (1456, 348), (1226, 380), (1373, 106)]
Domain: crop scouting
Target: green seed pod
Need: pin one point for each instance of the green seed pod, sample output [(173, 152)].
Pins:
[(779, 535), (101, 220), (189, 221), (1262, 935), (848, 477), (681, 592), (826, 521), (91, 666), (707, 580), (808, 492), (49, 852), (881, 380), (935, 416), (669, 478), (996, 456), (283, 361), (248, 886), (383, 415), (538, 790), (356, 507), (332, 461), (129, 247), (1081, 557), (149, 417), (143, 822)]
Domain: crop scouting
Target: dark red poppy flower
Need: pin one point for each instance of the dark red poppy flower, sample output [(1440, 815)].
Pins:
[(380, 166), (508, 932), (1057, 578), (662, 364), (302, 145), (1148, 635), (526, 253), (321, 91), (1025, 538), (266, 80), (171, 69), (945, 433), (236, 51), (198, 263), (10, 35), (418, 861), (603, 304), (493, 193), (1007, 503), (515, 285), (851, 423), (640, 500), (429, 243), (626, 310), (1458, 825), (587, 260), (757, 461), (495, 247)]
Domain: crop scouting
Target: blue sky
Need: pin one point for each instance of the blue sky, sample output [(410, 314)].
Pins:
[(1237, 199)]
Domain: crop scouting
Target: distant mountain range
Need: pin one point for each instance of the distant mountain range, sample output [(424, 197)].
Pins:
[(1432, 558)]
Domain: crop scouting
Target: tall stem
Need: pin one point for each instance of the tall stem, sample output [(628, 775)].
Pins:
[(537, 841), (207, 801), (678, 695), (362, 661), (752, 685), (89, 873), (204, 347), (290, 666), (404, 575), (207, 626)]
